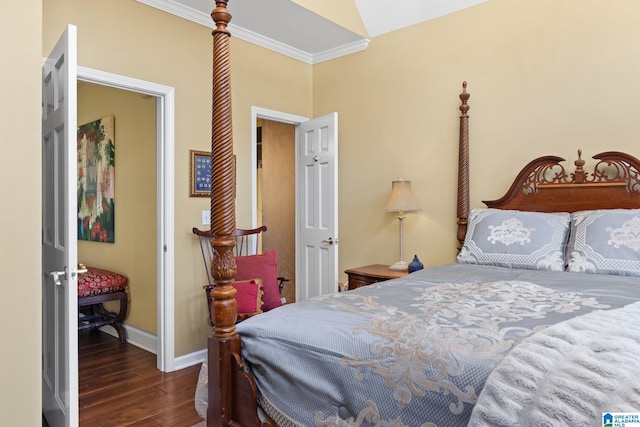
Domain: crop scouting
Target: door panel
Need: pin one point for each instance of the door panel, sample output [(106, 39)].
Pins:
[(59, 235), (317, 205)]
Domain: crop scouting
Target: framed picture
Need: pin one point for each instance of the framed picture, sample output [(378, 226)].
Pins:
[(96, 180), (200, 174)]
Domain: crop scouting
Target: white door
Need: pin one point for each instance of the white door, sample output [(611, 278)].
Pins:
[(317, 205), (59, 235)]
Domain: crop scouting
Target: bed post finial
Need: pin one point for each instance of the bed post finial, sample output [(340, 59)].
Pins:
[(579, 176), (224, 342), (464, 97), (221, 17), (463, 167)]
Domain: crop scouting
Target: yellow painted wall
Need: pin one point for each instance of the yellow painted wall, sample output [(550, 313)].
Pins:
[(134, 252), (20, 183), (545, 77), (129, 38)]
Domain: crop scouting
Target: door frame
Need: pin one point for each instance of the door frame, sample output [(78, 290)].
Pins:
[(165, 134)]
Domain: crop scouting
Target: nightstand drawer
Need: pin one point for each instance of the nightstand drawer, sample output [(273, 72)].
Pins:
[(356, 281), (364, 276)]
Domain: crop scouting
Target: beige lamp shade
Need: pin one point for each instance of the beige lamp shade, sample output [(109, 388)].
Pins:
[(401, 198)]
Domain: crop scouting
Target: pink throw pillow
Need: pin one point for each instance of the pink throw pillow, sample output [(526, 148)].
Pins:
[(248, 297), (265, 267)]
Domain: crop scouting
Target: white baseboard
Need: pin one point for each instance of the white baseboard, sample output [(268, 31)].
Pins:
[(149, 342), (190, 359), (137, 337)]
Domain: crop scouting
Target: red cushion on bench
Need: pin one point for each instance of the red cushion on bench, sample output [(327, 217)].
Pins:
[(97, 281)]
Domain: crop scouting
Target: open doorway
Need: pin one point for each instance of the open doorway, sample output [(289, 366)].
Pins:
[(276, 187), (140, 213), (315, 199), (161, 159), (275, 132), (129, 122)]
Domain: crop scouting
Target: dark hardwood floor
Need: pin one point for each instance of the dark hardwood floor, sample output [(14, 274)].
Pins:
[(119, 385)]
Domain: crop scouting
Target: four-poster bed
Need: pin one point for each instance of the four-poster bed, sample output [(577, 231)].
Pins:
[(429, 374)]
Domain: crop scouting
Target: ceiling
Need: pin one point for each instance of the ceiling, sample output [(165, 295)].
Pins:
[(288, 28)]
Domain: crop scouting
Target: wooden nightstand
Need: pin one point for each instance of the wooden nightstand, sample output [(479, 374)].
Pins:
[(363, 276)]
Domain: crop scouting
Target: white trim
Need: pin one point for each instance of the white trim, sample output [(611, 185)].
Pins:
[(339, 51), (278, 116), (190, 359), (165, 172), (202, 18), (268, 43), (180, 10), (149, 342), (135, 336), (166, 247)]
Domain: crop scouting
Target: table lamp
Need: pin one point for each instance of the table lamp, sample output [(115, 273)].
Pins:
[(401, 200)]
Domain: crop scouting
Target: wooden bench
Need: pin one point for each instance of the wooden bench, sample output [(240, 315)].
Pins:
[(96, 287)]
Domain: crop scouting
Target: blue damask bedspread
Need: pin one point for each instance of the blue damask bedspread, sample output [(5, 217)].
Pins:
[(414, 351)]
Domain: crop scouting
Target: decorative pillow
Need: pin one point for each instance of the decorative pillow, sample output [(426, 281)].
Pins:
[(265, 267), (605, 241), (248, 297), (516, 239), (97, 281)]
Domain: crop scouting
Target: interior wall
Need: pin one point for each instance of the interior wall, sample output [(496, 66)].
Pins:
[(135, 40), (134, 252), (278, 198), (545, 77), (20, 218)]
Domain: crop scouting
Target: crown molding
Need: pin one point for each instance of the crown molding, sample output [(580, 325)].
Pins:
[(204, 19), (339, 51), (271, 44)]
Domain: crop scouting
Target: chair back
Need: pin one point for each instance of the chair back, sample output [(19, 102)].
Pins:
[(247, 243)]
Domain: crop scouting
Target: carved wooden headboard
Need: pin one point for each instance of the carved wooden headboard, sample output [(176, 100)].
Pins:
[(543, 185)]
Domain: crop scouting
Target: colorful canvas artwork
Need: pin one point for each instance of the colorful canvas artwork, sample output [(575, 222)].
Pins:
[(96, 180)]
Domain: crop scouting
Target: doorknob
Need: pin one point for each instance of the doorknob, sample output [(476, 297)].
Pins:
[(56, 276), (329, 241)]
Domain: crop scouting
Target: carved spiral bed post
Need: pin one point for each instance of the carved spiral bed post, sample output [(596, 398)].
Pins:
[(463, 167), (224, 342)]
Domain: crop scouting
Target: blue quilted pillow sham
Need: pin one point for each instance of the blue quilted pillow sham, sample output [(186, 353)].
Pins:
[(516, 239), (605, 241)]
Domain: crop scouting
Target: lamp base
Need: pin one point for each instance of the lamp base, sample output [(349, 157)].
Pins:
[(399, 266)]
